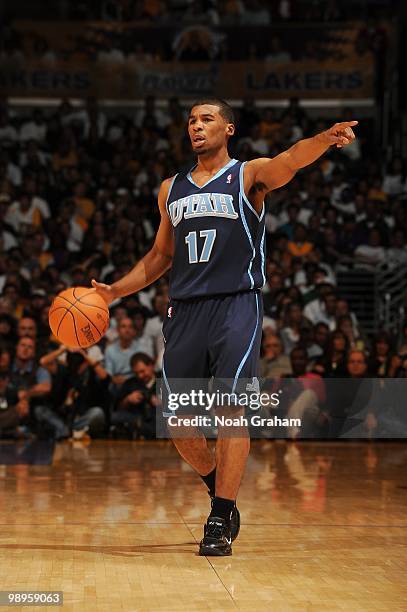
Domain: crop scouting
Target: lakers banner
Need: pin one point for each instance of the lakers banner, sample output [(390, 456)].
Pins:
[(129, 80)]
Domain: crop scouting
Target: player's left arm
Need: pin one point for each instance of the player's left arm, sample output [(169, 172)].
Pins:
[(264, 174)]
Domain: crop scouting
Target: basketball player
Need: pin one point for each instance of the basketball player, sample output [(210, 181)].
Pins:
[(212, 236)]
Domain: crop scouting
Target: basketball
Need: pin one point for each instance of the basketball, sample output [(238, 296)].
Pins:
[(78, 317)]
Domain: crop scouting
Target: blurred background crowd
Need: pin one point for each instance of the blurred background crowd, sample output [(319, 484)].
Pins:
[(256, 12), (197, 30), (78, 193), (80, 174)]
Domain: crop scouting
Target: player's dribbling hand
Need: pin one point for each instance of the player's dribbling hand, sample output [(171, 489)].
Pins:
[(340, 134), (105, 291)]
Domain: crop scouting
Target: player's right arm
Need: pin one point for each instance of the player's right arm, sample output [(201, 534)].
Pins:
[(153, 265)]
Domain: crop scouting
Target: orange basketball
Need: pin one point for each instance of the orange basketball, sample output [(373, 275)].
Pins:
[(78, 317)]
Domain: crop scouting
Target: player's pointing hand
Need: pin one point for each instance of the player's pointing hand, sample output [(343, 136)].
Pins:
[(105, 291), (340, 134)]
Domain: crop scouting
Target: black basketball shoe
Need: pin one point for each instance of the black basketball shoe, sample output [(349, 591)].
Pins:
[(234, 520), (217, 540)]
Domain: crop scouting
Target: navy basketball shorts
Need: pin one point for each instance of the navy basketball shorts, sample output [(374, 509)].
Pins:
[(217, 337)]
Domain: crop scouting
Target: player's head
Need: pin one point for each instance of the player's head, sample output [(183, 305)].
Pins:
[(211, 123)]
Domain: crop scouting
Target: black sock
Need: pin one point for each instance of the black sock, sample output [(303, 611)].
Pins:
[(222, 507), (210, 480)]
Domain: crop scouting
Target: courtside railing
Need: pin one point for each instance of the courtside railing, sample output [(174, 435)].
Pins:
[(377, 297)]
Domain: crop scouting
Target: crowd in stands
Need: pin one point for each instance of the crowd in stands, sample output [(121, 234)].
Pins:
[(256, 12), (78, 200), (198, 31)]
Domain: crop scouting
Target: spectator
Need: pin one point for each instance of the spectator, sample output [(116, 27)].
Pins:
[(23, 214), (136, 401), (34, 129), (6, 358), (322, 309), (144, 342), (85, 207), (26, 326), (77, 380), (153, 328), (403, 345), (195, 44), (116, 314), (32, 159), (349, 401), (300, 247), (372, 221), (285, 9), (42, 52), (395, 177), (110, 55), (14, 412), (380, 358), (12, 292), (119, 353), (32, 381), (199, 13), (396, 254), (257, 144), (87, 397), (32, 187), (256, 13), (7, 330), (333, 361), (345, 325), (294, 322), (302, 395), (320, 341), (371, 254), (249, 116), (231, 12), (38, 300), (7, 236), (8, 133), (65, 156), (273, 363)]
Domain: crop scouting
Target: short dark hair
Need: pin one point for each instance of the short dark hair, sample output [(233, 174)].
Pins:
[(146, 359), (225, 110)]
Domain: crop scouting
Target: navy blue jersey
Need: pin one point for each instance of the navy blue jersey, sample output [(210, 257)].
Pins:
[(219, 237)]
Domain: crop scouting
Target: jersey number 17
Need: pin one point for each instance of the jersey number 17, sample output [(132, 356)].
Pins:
[(192, 243)]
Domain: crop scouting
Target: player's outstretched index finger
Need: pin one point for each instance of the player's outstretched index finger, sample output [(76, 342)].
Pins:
[(345, 124)]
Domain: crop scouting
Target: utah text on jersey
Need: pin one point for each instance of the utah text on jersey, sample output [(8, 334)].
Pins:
[(202, 205)]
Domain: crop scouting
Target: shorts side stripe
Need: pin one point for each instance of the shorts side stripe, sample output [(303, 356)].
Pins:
[(239, 369), (263, 257), (166, 414)]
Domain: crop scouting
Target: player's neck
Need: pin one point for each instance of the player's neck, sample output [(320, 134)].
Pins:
[(213, 162)]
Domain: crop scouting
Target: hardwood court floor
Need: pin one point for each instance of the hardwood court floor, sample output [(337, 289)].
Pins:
[(115, 525)]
